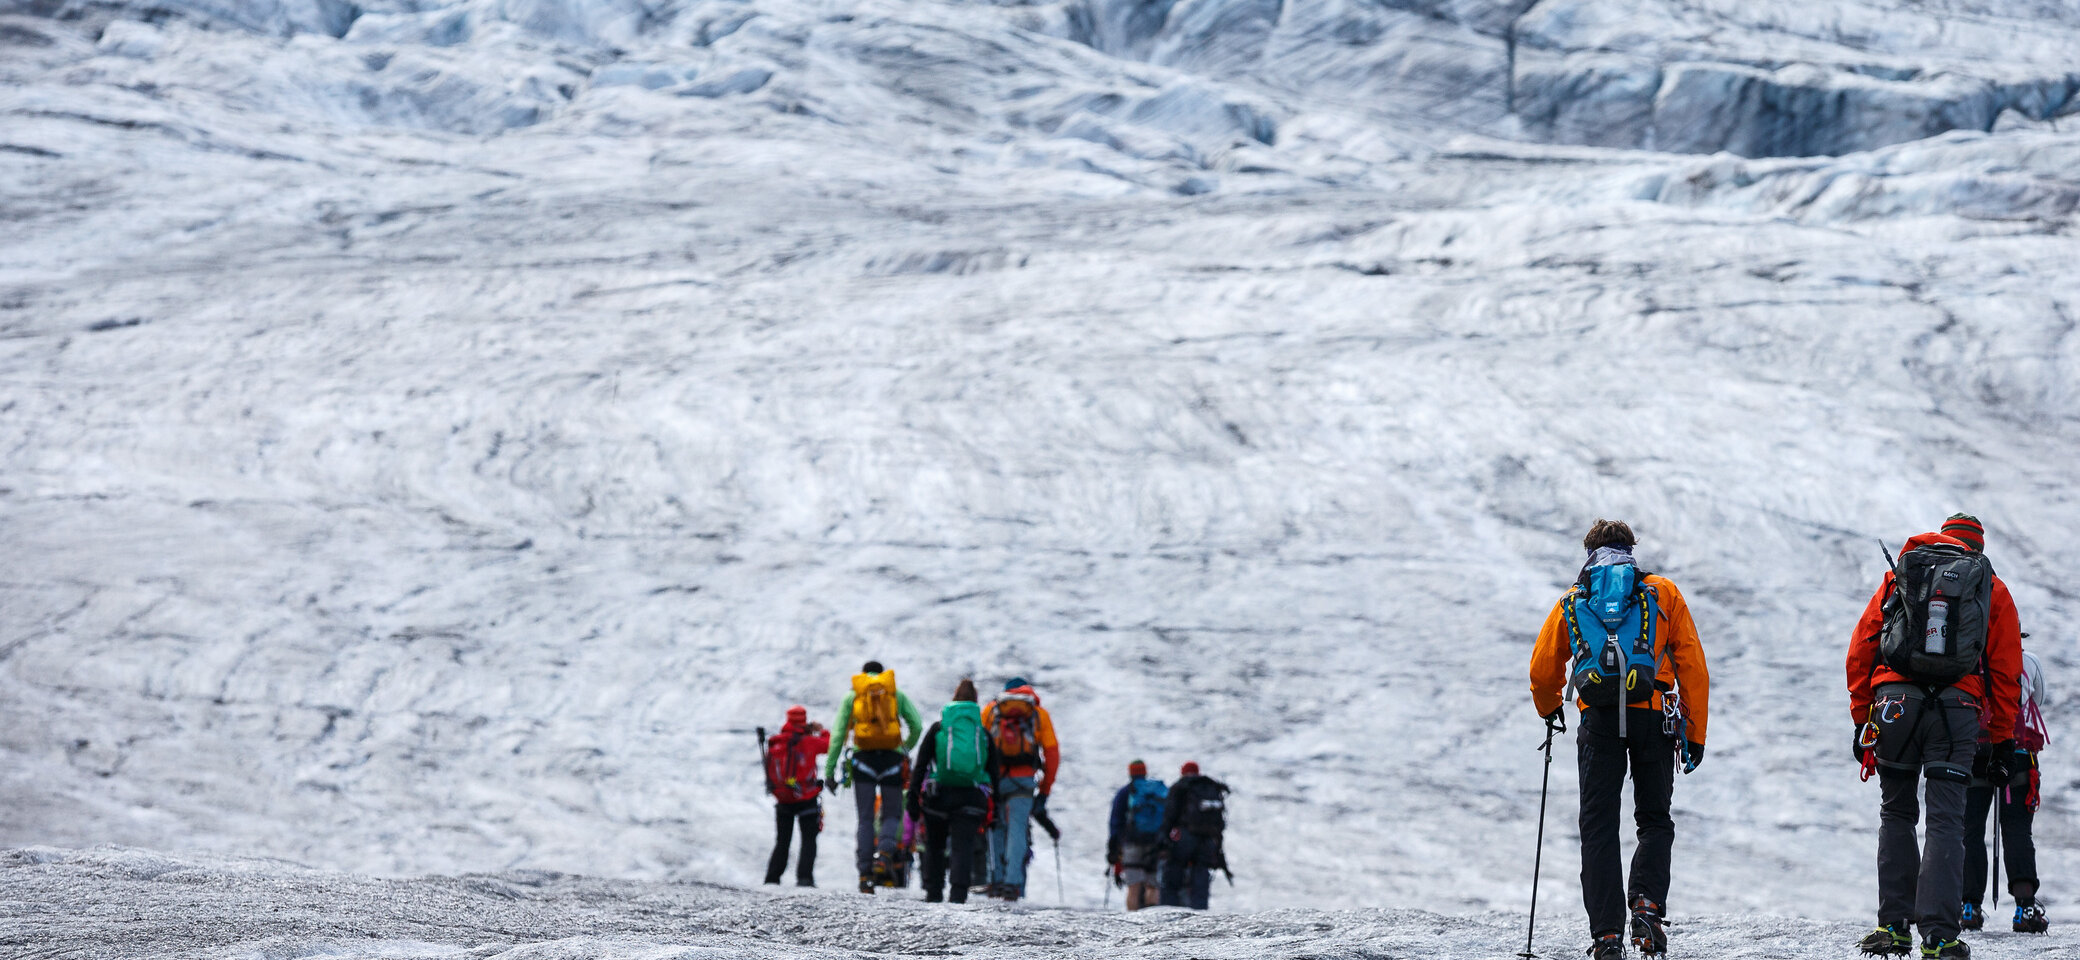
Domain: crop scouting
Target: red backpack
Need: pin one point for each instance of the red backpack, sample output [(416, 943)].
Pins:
[(791, 764)]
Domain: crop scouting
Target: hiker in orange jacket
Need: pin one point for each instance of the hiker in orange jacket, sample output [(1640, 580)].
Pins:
[(1665, 718), (1029, 756), (1910, 729)]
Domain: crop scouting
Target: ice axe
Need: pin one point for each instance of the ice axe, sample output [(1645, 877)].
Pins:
[(763, 763)]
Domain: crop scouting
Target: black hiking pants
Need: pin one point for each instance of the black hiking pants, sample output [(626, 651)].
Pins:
[(1931, 738), (953, 831), (785, 815), (2020, 852), (1603, 759), (877, 775), (1187, 873)]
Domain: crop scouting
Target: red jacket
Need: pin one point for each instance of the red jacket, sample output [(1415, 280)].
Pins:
[(791, 773), (2003, 656)]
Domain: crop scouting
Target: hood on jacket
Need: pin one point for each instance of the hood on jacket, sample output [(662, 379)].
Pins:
[(1025, 691)]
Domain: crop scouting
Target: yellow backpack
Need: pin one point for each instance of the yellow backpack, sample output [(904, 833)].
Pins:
[(876, 723)]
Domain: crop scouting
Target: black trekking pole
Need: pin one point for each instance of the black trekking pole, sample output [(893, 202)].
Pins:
[(1555, 725), (1054, 833), (1995, 879)]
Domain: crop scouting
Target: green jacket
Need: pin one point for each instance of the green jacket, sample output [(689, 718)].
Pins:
[(913, 728)]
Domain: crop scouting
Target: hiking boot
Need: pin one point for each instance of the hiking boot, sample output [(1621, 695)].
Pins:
[(1971, 917), (1890, 939), (1647, 933), (933, 896), (866, 883), (1951, 949), (1607, 947), (2031, 919)]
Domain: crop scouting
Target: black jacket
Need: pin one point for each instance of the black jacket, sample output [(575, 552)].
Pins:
[(1175, 814)]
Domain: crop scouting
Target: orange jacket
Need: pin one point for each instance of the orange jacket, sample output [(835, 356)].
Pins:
[(1681, 656), (1043, 731), (2003, 655)]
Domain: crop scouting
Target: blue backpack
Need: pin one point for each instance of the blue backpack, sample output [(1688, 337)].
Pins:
[(1610, 626), (1145, 799)]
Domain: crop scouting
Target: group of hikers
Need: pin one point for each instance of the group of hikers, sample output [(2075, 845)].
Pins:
[(979, 780), (1940, 690)]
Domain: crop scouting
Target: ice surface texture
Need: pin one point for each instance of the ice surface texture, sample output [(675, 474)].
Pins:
[(121, 903), (434, 440)]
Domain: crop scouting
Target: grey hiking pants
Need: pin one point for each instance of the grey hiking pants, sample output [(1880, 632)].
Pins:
[(877, 774), (1933, 739)]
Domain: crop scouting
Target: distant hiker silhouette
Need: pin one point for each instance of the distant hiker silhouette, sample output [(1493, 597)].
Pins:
[(883, 726), (790, 764), (950, 793)]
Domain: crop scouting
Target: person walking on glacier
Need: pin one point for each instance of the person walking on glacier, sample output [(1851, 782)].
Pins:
[(790, 762), (1138, 811), (950, 794), (1195, 815), (883, 725), (1934, 661), (1029, 755), (1624, 642), (2017, 799)]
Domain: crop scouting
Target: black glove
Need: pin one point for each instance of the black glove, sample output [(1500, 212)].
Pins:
[(2000, 762), (1693, 754), (1040, 805), (1856, 747), (2023, 763), (1557, 720)]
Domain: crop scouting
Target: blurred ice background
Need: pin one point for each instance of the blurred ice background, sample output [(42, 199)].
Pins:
[(436, 433)]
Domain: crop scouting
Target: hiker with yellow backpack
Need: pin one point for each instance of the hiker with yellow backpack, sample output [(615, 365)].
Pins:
[(883, 725), (1028, 756)]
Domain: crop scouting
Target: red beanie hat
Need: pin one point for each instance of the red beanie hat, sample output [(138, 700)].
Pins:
[(1191, 768), (1967, 528), (798, 713), (1137, 769)]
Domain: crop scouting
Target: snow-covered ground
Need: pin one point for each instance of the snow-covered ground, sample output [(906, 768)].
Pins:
[(436, 434), (121, 903)]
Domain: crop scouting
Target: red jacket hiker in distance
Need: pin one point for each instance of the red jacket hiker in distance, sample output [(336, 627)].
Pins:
[(792, 773), (2003, 656)]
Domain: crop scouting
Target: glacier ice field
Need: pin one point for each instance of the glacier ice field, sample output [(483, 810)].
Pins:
[(437, 433)]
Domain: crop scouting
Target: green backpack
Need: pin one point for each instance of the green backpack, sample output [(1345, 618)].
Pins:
[(963, 752)]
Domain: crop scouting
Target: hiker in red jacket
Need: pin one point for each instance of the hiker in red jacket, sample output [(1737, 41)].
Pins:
[(791, 778), (1939, 632)]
